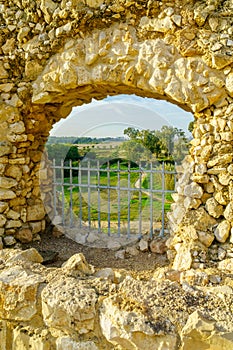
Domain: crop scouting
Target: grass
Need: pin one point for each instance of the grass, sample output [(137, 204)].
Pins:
[(109, 198)]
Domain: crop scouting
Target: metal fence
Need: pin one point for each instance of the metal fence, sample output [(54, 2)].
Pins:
[(114, 197)]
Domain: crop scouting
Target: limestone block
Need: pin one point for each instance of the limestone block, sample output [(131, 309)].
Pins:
[(131, 330), (36, 227), (220, 61), (194, 277), (106, 273), (221, 341), (9, 241), (214, 208), (226, 264), (18, 290), (3, 206), (24, 235), (12, 137), (222, 231), (221, 197), (14, 171), (3, 72), (192, 203), (2, 220), (158, 246), (12, 214), (48, 7), (193, 190), (231, 237), (161, 25), (220, 160), (6, 182), (183, 258), (32, 69), (77, 266), (5, 148), (13, 223), (67, 343), (65, 29), (69, 304), (201, 169), (17, 128), (33, 339), (14, 255), (35, 212), (200, 219), (94, 3), (143, 245), (226, 136), (198, 333), (228, 212), (201, 179), (229, 84), (205, 238)]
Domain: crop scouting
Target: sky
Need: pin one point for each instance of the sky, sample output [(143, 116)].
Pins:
[(109, 117)]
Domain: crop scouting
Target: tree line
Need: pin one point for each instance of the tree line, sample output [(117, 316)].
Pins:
[(167, 144)]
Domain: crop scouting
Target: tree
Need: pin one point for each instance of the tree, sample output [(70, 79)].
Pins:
[(191, 126), (167, 142), (135, 151), (72, 154), (61, 152), (146, 138)]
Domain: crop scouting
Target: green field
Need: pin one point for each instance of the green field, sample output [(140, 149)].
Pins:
[(110, 204)]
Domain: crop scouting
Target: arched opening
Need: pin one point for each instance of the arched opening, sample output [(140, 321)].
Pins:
[(124, 212)]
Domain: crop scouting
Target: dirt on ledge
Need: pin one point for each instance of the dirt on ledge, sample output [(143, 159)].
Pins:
[(57, 250)]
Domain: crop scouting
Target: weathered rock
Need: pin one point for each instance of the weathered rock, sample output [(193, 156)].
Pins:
[(16, 255), (6, 194), (105, 273), (113, 245), (194, 277), (228, 212), (133, 251), (9, 240), (19, 294), (222, 231), (22, 339), (158, 246), (120, 254), (199, 332), (35, 212), (131, 331), (143, 245), (214, 208), (193, 190), (226, 264), (69, 304), (68, 343), (206, 238), (183, 259), (77, 266), (24, 235)]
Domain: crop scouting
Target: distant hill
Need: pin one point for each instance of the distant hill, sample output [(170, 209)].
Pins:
[(82, 140)]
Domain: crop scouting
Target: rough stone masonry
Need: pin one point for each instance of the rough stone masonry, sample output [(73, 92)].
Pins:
[(59, 54)]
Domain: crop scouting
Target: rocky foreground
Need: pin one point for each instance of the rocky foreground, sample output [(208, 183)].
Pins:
[(76, 307)]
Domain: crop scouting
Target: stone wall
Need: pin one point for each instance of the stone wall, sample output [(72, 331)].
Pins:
[(76, 307), (59, 54)]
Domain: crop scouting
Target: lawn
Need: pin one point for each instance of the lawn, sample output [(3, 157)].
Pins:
[(122, 200)]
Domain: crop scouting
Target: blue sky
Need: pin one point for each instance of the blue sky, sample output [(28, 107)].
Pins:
[(109, 117)]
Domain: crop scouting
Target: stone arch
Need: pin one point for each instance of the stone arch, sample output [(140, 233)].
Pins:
[(84, 49)]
